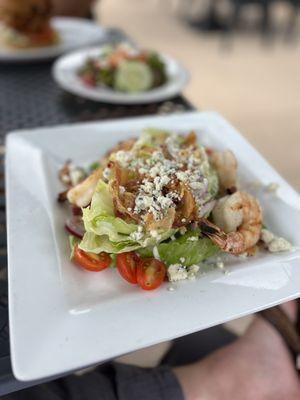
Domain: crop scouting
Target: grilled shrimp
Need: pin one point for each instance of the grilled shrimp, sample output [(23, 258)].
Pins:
[(225, 164), (238, 220), (81, 194)]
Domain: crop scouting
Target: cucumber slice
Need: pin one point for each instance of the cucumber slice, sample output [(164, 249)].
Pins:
[(133, 77)]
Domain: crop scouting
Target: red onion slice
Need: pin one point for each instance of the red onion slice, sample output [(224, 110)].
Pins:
[(76, 210), (74, 225)]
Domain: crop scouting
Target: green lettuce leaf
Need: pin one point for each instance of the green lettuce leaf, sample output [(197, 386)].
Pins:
[(99, 217), (105, 232), (72, 242), (151, 137), (96, 244), (193, 251), (102, 203)]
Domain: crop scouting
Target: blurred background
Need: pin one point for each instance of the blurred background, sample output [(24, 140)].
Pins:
[(244, 60), (243, 57)]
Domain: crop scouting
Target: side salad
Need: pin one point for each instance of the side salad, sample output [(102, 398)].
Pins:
[(156, 207), (124, 68)]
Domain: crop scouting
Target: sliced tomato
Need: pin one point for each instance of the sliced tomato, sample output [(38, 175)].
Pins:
[(127, 266), (150, 273), (90, 261)]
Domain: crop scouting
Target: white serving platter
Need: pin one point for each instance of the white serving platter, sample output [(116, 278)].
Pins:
[(63, 318)]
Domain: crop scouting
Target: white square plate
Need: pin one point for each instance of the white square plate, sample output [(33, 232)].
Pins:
[(63, 318)]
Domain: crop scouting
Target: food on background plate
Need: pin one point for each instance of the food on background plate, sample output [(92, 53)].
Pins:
[(124, 68), (158, 206), (26, 24)]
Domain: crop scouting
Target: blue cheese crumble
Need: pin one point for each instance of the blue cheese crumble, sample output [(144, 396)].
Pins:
[(179, 272), (158, 171), (193, 239), (273, 243)]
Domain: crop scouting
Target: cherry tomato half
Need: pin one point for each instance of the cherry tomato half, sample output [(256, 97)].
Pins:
[(127, 266), (150, 273), (90, 261)]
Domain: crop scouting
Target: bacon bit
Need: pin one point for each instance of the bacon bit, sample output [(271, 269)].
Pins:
[(231, 190), (190, 139), (62, 196), (122, 145)]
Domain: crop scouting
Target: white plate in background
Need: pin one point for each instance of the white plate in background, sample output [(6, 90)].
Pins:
[(73, 32), (63, 318), (65, 73)]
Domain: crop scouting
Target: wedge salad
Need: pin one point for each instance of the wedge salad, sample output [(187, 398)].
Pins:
[(157, 206)]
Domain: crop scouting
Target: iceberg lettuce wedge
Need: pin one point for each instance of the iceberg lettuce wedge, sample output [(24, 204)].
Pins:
[(105, 232)]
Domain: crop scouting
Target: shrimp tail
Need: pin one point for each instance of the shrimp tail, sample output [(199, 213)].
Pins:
[(229, 242)]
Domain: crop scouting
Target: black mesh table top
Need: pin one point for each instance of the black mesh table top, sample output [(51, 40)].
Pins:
[(30, 98)]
